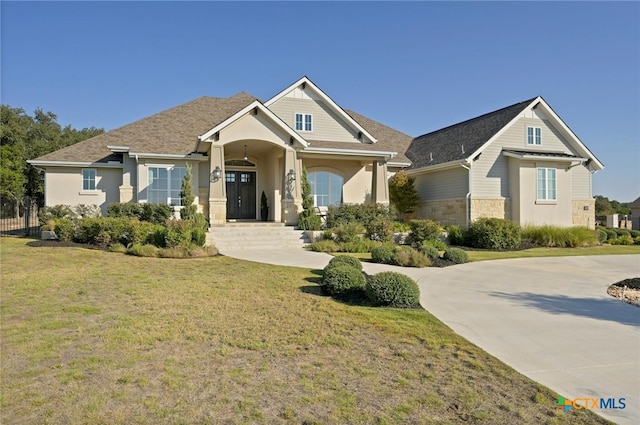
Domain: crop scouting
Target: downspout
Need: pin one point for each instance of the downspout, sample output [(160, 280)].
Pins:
[(468, 196), (137, 179)]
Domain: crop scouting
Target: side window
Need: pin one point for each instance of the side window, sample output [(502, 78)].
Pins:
[(304, 122), (546, 184), (534, 136), (326, 188), (88, 179)]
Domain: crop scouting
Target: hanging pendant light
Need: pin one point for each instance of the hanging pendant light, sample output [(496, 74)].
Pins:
[(246, 158)]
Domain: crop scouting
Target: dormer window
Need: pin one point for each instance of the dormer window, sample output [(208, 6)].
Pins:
[(304, 122), (534, 136)]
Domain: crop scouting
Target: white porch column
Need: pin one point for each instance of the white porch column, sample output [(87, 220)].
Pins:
[(217, 190), (379, 183), (292, 190)]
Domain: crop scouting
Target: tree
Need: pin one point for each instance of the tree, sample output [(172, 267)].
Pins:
[(307, 219), (402, 193), (189, 209), (606, 207), (23, 137)]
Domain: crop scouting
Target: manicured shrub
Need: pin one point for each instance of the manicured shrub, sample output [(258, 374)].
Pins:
[(622, 232), (406, 256), (455, 235), (456, 255), (359, 245), (342, 279), (634, 233), (124, 210), (348, 232), (430, 251), (611, 234), (424, 230), (623, 240), (401, 227), (54, 212), (382, 254), (493, 233), (346, 259), (178, 233), (380, 229), (360, 213), (64, 229), (393, 289), (602, 235), (437, 244), (155, 213), (324, 246)]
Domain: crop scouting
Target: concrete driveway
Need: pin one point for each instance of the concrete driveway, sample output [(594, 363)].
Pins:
[(550, 319)]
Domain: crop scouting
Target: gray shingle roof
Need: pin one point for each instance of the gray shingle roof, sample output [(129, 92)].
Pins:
[(445, 145), (175, 131)]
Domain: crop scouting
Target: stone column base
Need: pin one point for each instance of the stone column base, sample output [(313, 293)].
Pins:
[(290, 210), (217, 211), (581, 216)]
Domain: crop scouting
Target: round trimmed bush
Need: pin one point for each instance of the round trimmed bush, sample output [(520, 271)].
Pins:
[(346, 259), (456, 255), (622, 232), (430, 251), (406, 256), (393, 289), (602, 235), (634, 233), (341, 279), (382, 254), (611, 234)]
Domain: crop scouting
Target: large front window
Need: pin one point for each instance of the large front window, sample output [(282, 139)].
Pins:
[(326, 188), (547, 184), (165, 185)]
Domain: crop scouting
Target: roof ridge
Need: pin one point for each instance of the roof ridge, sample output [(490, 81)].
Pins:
[(524, 102)]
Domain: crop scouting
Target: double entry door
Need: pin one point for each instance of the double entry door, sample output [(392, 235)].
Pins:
[(241, 194)]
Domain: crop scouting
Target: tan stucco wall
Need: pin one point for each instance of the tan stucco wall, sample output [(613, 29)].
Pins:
[(582, 217), (64, 187), (536, 212), (356, 175), (446, 211)]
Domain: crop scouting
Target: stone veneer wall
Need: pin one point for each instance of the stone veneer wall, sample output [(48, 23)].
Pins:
[(492, 208), (446, 211), (580, 217)]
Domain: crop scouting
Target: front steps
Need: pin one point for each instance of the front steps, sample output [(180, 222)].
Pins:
[(255, 235)]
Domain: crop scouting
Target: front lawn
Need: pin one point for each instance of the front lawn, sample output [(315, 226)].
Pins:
[(481, 255), (93, 337)]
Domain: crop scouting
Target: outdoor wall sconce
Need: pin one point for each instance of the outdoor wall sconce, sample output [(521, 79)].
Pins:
[(216, 174), (291, 175)]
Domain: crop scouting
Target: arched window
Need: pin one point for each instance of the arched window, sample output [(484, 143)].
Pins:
[(326, 188)]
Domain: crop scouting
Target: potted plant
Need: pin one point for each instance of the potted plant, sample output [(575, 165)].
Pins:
[(264, 207)]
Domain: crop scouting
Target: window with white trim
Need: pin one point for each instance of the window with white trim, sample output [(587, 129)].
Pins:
[(88, 179), (534, 136), (546, 184), (326, 188), (304, 122), (165, 184)]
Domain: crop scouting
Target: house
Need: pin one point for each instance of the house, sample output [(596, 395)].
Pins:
[(520, 163), (237, 148)]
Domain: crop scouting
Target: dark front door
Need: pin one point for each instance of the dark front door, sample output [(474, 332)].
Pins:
[(241, 194)]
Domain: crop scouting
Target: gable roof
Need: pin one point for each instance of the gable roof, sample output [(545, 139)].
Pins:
[(171, 132), (460, 141), (636, 203)]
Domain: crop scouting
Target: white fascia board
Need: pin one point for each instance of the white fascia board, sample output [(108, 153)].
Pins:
[(478, 151), (572, 137), (247, 109), (534, 157), (352, 152), (118, 149), (149, 155), (438, 167), (74, 164), (398, 164), (336, 108)]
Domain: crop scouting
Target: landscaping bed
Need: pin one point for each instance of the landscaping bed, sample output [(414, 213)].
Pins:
[(627, 290)]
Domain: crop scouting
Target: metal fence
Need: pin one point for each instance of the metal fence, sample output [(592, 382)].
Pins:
[(18, 220)]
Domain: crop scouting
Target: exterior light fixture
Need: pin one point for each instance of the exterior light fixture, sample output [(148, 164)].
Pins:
[(291, 175), (246, 158), (216, 174)]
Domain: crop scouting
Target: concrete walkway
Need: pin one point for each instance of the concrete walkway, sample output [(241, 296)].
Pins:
[(549, 318)]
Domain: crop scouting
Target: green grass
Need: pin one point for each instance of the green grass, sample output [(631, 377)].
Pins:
[(482, 255), (95, 337)]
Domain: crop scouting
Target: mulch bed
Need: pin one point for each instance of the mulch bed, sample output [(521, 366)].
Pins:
[(627, 290)]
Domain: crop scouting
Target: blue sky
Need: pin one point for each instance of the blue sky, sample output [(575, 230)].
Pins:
[(415, 66)]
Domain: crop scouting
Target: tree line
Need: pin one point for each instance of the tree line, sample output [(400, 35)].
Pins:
[(24, 137)]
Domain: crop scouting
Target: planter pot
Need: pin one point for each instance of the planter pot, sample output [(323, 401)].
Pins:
[(264, 214)]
